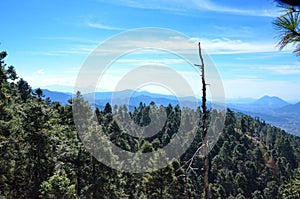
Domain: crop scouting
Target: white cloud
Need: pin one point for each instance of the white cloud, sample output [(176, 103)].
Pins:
[(284, 69), (141, 62), (65, 77), (68, 38), (173, 5), (74, 50), (176, 44), (232, 32), (185, 6), (229, 46), (38, 81), (100, 26), (40, 72), (211, 46), (212, 6)]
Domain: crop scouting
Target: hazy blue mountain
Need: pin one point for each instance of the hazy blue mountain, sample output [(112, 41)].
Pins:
[(132, 94), (240, 100), (57, 96), (292, 108), (270, 102), (123, 97), (274, 111), (134, 99), (271, 109), (262, 105)]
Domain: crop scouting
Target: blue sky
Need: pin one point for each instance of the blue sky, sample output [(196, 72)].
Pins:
[(48, 41)]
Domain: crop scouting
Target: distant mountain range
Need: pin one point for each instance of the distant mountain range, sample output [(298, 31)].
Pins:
[(263, 104), (274, 111), (56, 96), (123, 97), (271, 109)]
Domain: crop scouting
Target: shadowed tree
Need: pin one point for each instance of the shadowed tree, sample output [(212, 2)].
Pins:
[(288, 26), (289, 2), (39, 93), (24, 90)]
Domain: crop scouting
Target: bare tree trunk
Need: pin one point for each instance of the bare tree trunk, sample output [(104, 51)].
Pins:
[(204, 127), (204, 144)]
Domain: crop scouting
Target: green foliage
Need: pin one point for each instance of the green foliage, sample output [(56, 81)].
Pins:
[(43, 156), (291, 188), (58, 186), (288, 26)]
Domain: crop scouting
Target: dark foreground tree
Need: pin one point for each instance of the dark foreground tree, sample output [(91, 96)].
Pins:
[(289, 2), (288, 25)]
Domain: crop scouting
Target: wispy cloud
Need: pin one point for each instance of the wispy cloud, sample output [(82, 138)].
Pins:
[(185, 6), (230, 46), (284, 69), (176, 45), (174, 6), (101, 26), (141, 62), (66, 51), (232, 31), (69, 38), (40, 72), (39, 81), (212, 6), (211, 46), (76, 50)]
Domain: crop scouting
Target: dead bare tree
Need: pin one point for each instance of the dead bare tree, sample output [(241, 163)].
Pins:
[(204, 127), (204, 141)]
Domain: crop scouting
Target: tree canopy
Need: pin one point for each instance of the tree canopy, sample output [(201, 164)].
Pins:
[(42, 156)]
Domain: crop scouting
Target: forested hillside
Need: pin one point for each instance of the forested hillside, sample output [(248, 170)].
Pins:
[(41, 155)]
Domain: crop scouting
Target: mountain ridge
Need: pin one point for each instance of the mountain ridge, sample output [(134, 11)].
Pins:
[(272, 109), (271, 101)]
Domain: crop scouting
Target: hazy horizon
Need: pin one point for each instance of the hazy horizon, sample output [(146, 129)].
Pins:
[(70, 90)]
